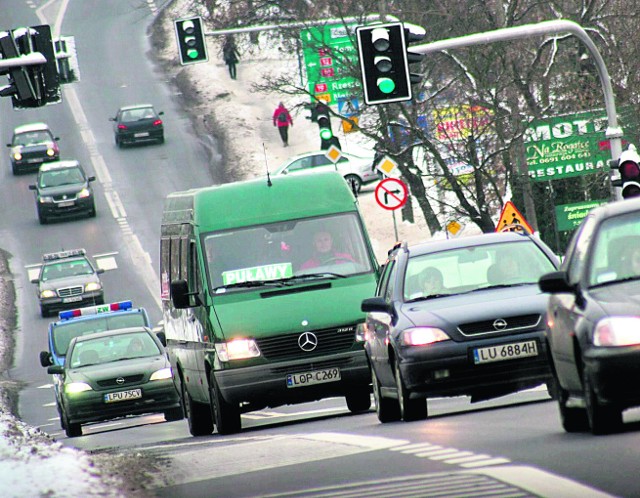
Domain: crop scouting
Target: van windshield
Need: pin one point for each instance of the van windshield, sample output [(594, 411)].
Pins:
[(313, 247)]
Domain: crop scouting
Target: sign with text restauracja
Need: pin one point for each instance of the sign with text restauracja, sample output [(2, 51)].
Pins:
[(567, 146)]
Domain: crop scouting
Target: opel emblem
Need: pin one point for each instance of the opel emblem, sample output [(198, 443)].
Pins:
[(307, 341), (500, 324), (120, 380)]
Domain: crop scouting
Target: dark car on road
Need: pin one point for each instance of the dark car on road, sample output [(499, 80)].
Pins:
[(67, 279), (457, 317), (594, 320), (113, 374), (138, 123), (31, 145), (63, 190)]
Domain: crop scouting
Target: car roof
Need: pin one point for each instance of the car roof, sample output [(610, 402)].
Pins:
[(69, 163), (135, 106), (470, 241), (616, 208), (31, 127)]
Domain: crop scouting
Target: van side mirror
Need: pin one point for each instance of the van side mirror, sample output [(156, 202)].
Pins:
[(180, 294), (45, 359)]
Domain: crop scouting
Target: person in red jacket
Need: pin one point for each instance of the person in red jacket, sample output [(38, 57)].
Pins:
[(282, 119)]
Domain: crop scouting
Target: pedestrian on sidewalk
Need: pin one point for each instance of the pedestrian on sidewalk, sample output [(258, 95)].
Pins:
[(282, 119), (230, 55)]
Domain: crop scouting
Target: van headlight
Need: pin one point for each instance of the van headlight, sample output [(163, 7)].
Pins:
[(237, 349)]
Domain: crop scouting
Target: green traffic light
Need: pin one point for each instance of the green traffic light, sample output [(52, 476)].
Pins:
[(325, 133), (386, 85), (192, 53)]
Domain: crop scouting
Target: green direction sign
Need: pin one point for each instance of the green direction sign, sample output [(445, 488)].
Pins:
[(567, 146), (331, 60), (569, 216)]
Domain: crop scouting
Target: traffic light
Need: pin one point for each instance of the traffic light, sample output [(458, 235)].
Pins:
[(384, 63), (628, 164), (322, 116), (191, 43)]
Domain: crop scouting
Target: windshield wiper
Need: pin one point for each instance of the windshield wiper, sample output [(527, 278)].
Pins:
[(608, 282), (251, 283), (324, 274), (280, 282), (426, 298), (499, 286)]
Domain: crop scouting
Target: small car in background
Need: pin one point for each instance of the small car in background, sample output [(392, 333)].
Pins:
[(114, 374), (138, 123), (31, 145), (356, 170), (63, 190), (593, 325), (457, 317)]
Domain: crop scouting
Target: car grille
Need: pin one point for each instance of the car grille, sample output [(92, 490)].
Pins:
[(64, 197), (334, 340), (520, 323), (70, 291), (130, 379)]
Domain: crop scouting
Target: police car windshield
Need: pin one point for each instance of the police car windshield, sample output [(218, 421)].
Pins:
[(64, 269)]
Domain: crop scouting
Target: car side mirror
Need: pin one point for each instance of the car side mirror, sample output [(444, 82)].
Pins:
[(55, 370), (376, 304), (91, 179), (56, 138), (555, 282), (35, 280), (45, 359), (33, 187), (162, 337), (100, 270), (9, 145), (161, 113), (112, 119)]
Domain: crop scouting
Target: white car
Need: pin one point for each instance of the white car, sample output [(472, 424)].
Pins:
[(356, 170)]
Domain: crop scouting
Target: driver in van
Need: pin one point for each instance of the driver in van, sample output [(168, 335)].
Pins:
[(324, 253)]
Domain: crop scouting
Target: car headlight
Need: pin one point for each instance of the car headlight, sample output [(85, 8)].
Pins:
[(45, 199), (237, 349), (85, 192), (617, 331), (51, 152), (162, 374), (17, 156), (422, 336), (92, 286), (363, 334), (47, 293), (77, 387)]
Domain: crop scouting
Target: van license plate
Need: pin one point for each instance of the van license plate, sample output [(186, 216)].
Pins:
[(123, 395), (314, 377), (505, 352)]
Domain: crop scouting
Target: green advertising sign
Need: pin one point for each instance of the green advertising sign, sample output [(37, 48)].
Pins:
[(569, 216), (567, 146), (331, 58)]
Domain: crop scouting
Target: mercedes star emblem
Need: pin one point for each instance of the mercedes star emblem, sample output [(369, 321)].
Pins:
[(308, 341)]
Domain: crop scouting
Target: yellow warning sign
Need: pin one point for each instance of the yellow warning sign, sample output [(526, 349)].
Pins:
[(347, 127), (511, 220)]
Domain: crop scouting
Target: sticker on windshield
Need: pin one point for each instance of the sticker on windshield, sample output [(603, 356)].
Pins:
[(264, 272)]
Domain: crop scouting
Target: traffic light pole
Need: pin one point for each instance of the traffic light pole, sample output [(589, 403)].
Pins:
[(613, 132)]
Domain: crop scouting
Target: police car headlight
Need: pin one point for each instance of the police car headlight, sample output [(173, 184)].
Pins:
[(77, 387), (237, 349), (162, 374), (45, 199), (617, 331), (17, 156), (92, 286), (47, 293), (84, 193)]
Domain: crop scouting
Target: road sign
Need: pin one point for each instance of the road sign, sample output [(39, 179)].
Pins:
[(391, 194), (333, 154), (511, 220), (347, 127), (454, 228), (348, 107), (386, 165)]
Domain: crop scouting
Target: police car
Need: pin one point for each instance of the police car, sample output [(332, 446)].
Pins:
[(67, 279)]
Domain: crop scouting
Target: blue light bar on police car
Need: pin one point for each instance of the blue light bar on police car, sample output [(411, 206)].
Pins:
[(95, 310)]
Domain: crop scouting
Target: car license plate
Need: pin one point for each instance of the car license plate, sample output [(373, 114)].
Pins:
[(123, 395), (505, 352), (73, 299), (33, 161), (65, 204), (141, 134), (314, 377)]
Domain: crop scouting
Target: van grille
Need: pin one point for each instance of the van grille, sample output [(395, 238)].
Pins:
[(70, 291), (334, 340), (519, 323)]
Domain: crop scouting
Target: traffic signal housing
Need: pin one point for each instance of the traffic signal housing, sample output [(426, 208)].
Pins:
[(191, 43), (384, 63), (628, 164), (322, 116)]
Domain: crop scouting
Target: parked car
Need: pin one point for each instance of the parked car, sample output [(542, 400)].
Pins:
[(457, 317), (356, 170), (63, 190), (137, 123), (594, 320), (114, 374), (31, 145)]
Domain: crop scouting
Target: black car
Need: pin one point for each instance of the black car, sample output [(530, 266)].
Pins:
[(31, 145), (114, 374), (63, 190), (457, 317), (138, 123), (594, 320)]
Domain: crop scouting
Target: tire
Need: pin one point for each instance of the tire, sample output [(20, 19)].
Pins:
[(198, 414), (410, 409), (226, 416), (161, 139), (63, 422), (118, 143), (14, 168), (355, 183), (602, 419), (44, 312), (359, 401), (71, 430), (572, 419), (174, 414), (92, 211), (42, 219), (388, 410)]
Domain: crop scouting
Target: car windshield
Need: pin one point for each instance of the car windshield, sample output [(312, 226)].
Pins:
[(32, 137), (57, 178), (119, 347), (63, 332), (616, 252), (468, 269), (65, 269), (323, 247)]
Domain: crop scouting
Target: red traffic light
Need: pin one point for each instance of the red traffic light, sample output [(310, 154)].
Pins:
[(629, 170)]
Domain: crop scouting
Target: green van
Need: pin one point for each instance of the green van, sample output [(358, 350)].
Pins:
[(261, 286)]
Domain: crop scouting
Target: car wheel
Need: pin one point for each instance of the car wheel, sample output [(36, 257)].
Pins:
[(42, 219), (63, 422), (198, 414), (355, 183), (602, 419), (14, 168), (71, 430), (359, 401), (92, 211), (387, 409), (410, 409), (161, 139), (118, 142), (174, 414), (572, 419), (44, 312), (226, 416)]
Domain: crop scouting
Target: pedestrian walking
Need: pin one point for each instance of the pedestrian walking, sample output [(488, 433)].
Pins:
[(282, 119), (230, 55)]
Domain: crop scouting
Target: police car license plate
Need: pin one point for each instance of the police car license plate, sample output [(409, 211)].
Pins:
[(141, 134), (314, 377), (505, 352), (123, 395), (73, 299)]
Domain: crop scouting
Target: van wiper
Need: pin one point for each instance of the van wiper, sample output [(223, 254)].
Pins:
[(250, 283), (313, 276), (280, 282)]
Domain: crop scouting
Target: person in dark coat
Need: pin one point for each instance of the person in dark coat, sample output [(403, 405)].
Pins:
[(230, 55), (282, 119)]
